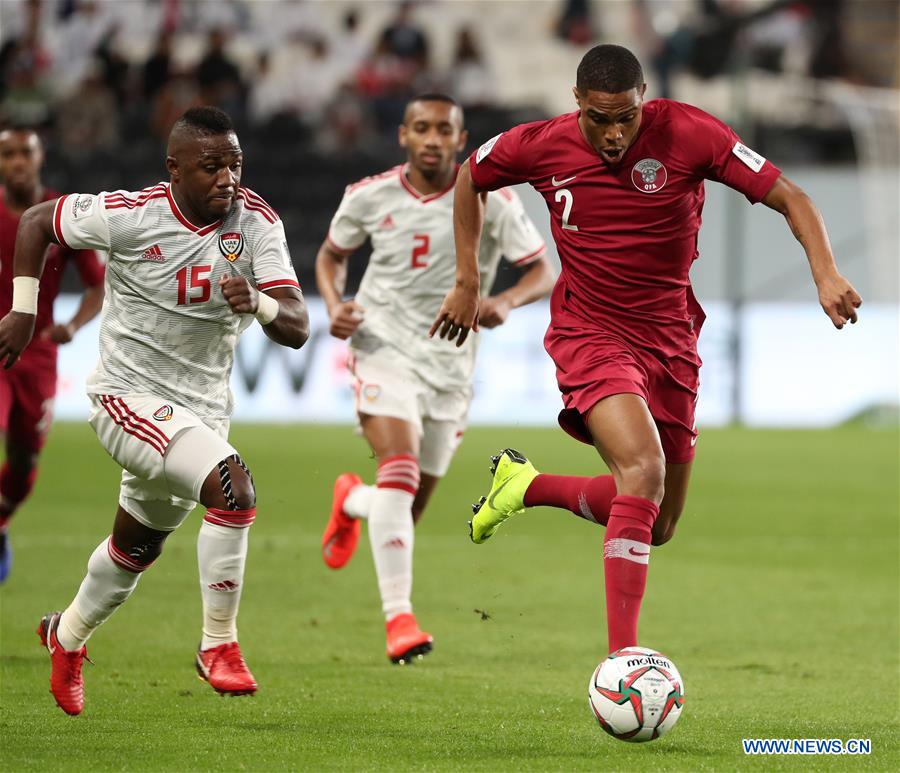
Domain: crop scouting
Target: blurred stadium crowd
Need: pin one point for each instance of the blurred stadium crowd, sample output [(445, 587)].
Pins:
[(317, 87)]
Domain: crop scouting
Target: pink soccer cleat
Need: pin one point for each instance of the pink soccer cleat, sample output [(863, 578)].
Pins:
[(66, 682), (225, 670), (405, 642), (342, 532)]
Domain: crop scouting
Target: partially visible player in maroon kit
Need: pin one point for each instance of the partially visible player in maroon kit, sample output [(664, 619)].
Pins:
[(27, 392), (624, 183)]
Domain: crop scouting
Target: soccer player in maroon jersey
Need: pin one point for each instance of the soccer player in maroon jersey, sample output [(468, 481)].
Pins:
[(26, 393), (624, 183)]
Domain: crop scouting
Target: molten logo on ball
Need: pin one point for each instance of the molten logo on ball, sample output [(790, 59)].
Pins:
[(636, 694)]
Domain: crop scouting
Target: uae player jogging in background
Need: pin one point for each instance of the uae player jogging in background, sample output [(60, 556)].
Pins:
[(191, 263), (26, 393), (624, 183), (412, 393)]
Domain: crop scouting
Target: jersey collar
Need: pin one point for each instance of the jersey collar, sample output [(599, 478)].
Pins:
[(200, 231), (425, 199)]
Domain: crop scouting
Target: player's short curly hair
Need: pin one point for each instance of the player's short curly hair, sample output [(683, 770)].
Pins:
[(435, 96), (608, 68), (205, 120)]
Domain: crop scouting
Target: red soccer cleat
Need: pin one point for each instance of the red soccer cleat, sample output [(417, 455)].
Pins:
[(225, 670), (66, 682), (405, 642), (342, 532)]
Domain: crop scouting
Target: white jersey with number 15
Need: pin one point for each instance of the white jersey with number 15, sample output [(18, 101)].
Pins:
[(165, 327)]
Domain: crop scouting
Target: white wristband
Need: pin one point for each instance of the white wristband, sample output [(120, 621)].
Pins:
[(25, 294), (268, 309)]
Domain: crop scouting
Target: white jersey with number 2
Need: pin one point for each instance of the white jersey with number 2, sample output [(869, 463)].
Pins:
[(413, 266), (165, 328)]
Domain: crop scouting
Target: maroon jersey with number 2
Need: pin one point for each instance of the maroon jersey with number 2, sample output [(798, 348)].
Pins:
[(623, 317)]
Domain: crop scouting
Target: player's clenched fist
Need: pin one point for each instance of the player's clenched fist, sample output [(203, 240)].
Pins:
[(16, 330), (59, 334), (493, 311), (839, 299), (345, 318), (240, 294)]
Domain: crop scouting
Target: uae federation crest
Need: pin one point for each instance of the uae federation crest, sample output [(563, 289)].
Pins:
[(649, 175), (231, 245)]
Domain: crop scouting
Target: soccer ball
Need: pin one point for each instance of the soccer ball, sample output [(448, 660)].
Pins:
[(636, 694)]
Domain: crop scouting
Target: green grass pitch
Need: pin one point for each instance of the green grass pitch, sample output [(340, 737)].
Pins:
[(778, 600)]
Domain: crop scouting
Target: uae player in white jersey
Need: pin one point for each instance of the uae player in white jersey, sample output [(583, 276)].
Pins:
[(412, 393), (191, 263)]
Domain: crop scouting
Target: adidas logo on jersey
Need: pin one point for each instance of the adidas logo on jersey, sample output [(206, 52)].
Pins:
[(154, 253), (388, 222)]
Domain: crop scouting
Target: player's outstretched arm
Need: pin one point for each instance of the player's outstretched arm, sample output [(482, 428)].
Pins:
[(838, 297), (459, 311), (281, 311), (331, 279), (32, 239), (535, 282)]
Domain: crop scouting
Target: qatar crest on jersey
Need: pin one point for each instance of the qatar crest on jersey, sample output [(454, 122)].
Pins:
[(231, 245), (649, 175)]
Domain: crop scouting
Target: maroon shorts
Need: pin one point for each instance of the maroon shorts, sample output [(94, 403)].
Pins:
[(592, 364), (26, 403)]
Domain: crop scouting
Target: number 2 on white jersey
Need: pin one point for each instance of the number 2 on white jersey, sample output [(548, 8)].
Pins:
[(565, 195), (420, 251)]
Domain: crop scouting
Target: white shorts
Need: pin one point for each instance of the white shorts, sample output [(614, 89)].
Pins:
[(386, 386), (165, 452)]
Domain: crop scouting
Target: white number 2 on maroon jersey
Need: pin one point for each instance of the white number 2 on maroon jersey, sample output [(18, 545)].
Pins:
[(566, 195)]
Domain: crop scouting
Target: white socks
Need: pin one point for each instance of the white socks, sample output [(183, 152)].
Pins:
[(391, 535), (102, 591), (359, 501), (221, 555)]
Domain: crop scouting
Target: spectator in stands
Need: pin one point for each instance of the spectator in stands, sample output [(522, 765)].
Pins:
[(84, 25), (158, 66), (24, 66), (273, 91), (346, 124), (404, 39), (385, 81), (350, 46), (470, 78), (88, 119), (574, 23), (176, 96), (320, 76), (218, 77), (115, 67)]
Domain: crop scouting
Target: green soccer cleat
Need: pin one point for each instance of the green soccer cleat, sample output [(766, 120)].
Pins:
[(513, 474)]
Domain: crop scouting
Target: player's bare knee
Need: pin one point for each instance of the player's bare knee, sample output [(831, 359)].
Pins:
[(237, 484), (644, 476), (229, 486)]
